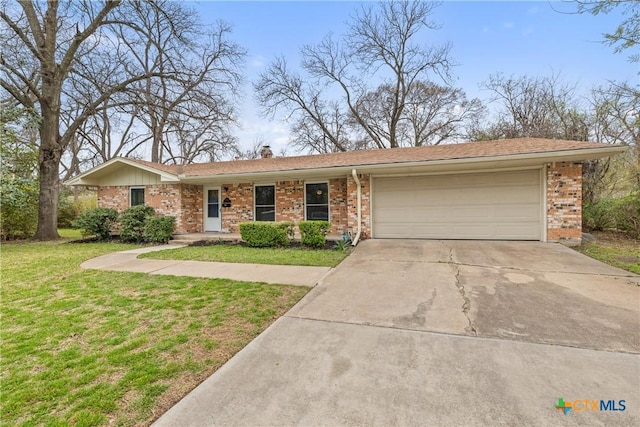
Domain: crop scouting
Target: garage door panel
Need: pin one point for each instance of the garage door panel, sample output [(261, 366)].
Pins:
[(497, 205)]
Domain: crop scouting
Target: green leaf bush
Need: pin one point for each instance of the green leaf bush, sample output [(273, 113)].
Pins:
[(260, 234), (313, 233), (18, 207), (132, 223), (158, 229), (622, 214), (98, 222)]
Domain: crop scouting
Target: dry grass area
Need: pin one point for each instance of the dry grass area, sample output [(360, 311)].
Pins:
[(97, 348), (614, 248)]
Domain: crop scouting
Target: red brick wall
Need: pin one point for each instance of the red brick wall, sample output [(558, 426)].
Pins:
[(185, 203), (179, 200), (338, 211), (241, 210), (352, 198), (290, 201), (191, 204), (564, 201)]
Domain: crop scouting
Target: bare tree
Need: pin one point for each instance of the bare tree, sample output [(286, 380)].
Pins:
[(432, 114), (67, 61), (615, 110), (199, 101), (538, 107), (379, 46)]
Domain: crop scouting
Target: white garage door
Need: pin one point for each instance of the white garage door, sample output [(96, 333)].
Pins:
[(496, 205)]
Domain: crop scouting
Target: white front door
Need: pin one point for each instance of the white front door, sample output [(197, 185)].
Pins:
[(212, 220)]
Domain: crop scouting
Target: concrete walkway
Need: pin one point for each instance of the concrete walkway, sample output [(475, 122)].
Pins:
[(275, 274)]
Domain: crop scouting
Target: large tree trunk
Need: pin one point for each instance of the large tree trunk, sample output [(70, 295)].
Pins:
[(50, 153)]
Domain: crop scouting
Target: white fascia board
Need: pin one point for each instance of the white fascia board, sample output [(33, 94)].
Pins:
[(85, 177), (517, 160)]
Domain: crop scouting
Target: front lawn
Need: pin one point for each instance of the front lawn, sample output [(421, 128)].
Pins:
[(615, 249), (244, 254), (87, 347)]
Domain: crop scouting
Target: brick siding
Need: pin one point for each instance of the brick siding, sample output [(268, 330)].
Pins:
[(241, 210), (564, 202), (182, 201), (352, 198)]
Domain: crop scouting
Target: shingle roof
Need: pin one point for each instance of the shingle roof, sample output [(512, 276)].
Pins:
[(499, 148)]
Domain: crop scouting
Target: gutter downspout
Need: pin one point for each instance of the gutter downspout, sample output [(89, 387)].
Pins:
[(359, 198)]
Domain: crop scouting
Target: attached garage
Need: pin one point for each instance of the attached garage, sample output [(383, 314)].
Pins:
[(491, 205)]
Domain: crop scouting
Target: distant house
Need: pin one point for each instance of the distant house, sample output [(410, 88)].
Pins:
[(519, 189)]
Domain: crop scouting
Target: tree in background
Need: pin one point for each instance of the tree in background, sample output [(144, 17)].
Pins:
[(80, 65), (534, 107), (333, 108), (627, 34)]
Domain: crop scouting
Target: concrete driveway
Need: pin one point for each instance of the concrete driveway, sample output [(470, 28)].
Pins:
[(439, 333)]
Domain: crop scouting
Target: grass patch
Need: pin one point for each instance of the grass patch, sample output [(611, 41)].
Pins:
[(86, 347), (70, 233), (244, 254), (614, 249)]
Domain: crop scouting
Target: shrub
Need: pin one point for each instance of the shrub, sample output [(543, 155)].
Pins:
[(598, 216), (18, 208), (158, 229), (97, 221), (621, 214), (627, 214), (266, 234), (132, 223), (313, 233), (70, 206)]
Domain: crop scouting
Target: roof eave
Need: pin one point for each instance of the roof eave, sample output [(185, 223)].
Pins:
[(491, 161)]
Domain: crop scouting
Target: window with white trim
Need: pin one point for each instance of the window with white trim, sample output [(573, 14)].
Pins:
[(136, 196), (265, 203), (317, 201)]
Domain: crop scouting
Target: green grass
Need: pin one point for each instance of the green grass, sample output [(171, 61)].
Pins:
[(625, 257), (70, 233), (243, 254), (85, 347)]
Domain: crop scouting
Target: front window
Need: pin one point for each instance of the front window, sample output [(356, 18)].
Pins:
[(137, 196), (265, 203), (317, 202)]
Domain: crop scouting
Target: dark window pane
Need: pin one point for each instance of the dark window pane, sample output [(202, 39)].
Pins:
[(265, 195), (265, 213), (317, 213), (212, 196), (317, 194), (137, 196), (212, 210)]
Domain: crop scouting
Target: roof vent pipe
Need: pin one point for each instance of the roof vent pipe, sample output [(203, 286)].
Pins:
[(359, 206), (266, 152)]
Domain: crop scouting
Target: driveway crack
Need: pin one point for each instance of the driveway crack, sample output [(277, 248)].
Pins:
[(466, 305)]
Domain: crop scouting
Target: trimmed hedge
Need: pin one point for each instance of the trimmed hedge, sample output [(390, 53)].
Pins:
[(313, 233), (158, 229), (260, 234), (98, 221), (132, 223)]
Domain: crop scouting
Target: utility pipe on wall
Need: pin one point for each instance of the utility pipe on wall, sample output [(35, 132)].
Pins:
[(359, 208)]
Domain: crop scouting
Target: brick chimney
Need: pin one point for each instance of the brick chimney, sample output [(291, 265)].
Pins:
[(266, 152)]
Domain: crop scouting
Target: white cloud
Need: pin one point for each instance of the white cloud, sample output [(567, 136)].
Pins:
[(532, 10), (508, 25), (527, 31)]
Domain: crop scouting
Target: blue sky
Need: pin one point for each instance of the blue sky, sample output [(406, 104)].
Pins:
[(515, 38)]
